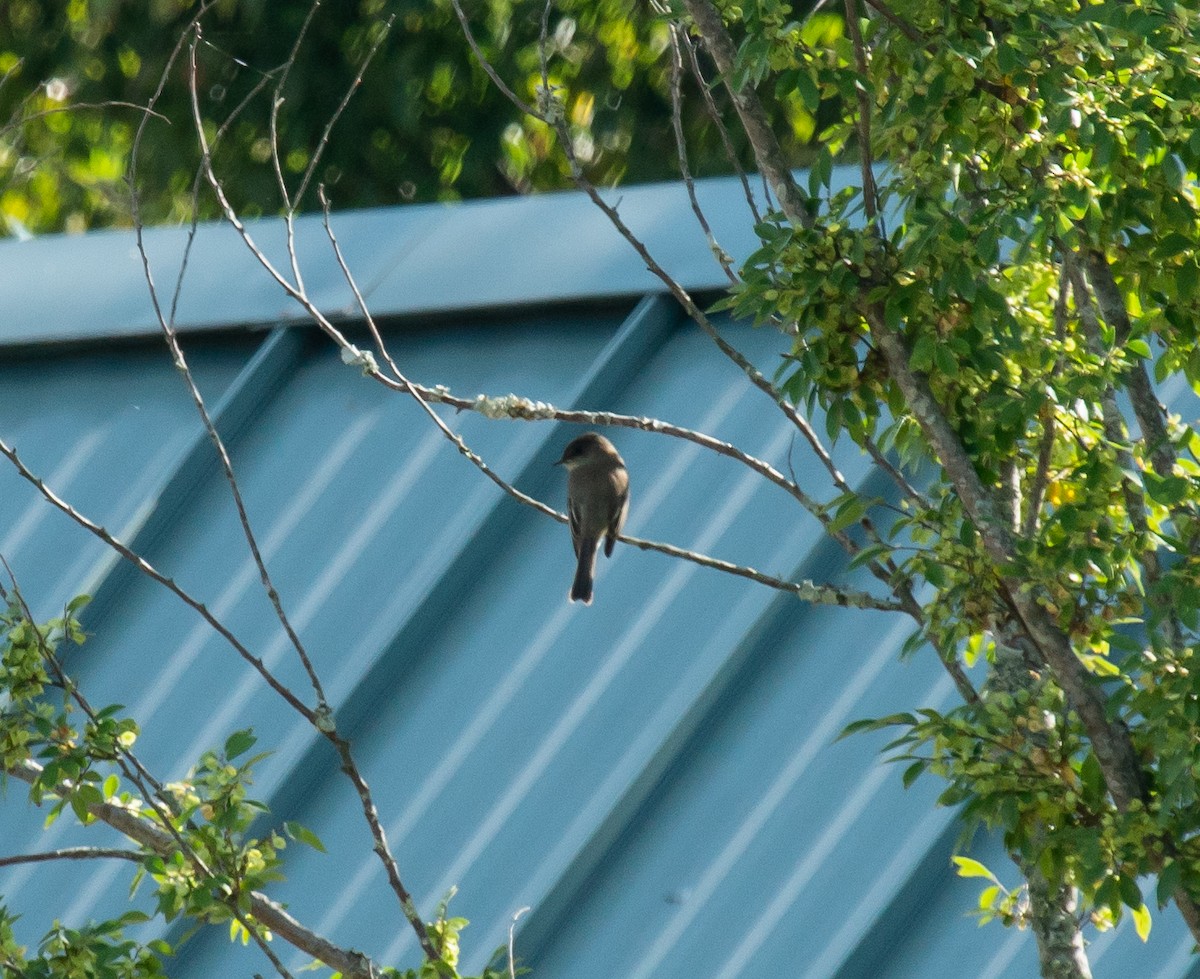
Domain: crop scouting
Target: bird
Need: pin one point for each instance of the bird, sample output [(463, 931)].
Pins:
[(597, 504)]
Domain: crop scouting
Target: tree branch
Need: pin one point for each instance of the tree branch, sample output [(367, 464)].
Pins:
[(899, 22), (714, 114), (724, 259), (516, 408), (149, 788), (73, 853), (767, 151), (1110, 739), (1146, 406), (264, 911), (169, 583)]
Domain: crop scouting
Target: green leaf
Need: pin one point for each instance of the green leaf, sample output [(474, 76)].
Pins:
[(945, 361), (1141, 922), (876, 724), (850, 512), (303, 834), (833, 420), (923, 352), (987, 897), (1131, 894), (935, 574), (1169, 879), (1167, 491), (84, 796), (868, 554), (1139, 348), (823, 167), (111, 784), (913, 772), (239, 742), (971, 868), (1092, 778), (810, 95)]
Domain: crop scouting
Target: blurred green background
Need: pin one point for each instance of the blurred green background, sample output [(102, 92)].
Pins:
[(425, 124)]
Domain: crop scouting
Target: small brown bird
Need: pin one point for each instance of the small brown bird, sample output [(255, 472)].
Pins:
[(597, 503)]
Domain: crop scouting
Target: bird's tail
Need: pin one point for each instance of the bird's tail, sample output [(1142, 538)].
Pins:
[(581, 588)]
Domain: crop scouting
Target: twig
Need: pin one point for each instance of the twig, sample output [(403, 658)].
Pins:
[(767, 151), (323, 142), (724, 259), (169, 583), (486, 64), (719, 123), (869, 191), (512, 929), (1041, 474), (277, 104), (214, 436), (818, 594), (73, 853), (805, 590), (899, 22), (74, 106)]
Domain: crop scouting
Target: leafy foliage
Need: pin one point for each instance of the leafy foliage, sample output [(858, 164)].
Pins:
[(1034, 241), (204, 868)]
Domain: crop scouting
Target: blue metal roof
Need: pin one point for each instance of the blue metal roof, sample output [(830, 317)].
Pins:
[(656, 776)]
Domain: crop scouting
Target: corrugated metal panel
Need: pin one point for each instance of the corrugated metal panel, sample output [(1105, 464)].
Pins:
[(419, 259), (654, 775)]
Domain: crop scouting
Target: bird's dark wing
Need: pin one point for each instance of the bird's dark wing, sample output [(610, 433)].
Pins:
[(617, 522), (574, 516)]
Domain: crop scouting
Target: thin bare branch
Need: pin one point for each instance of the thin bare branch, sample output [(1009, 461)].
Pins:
[(25, 117), (866, 165), (218, 443), (486, 64), (772, 161), (724, 259), (805, 590), (512, 930), (323, 142), (718, 122), (899, 22), (169, 583), (1041, 474), (277, 104), (73, 853)]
